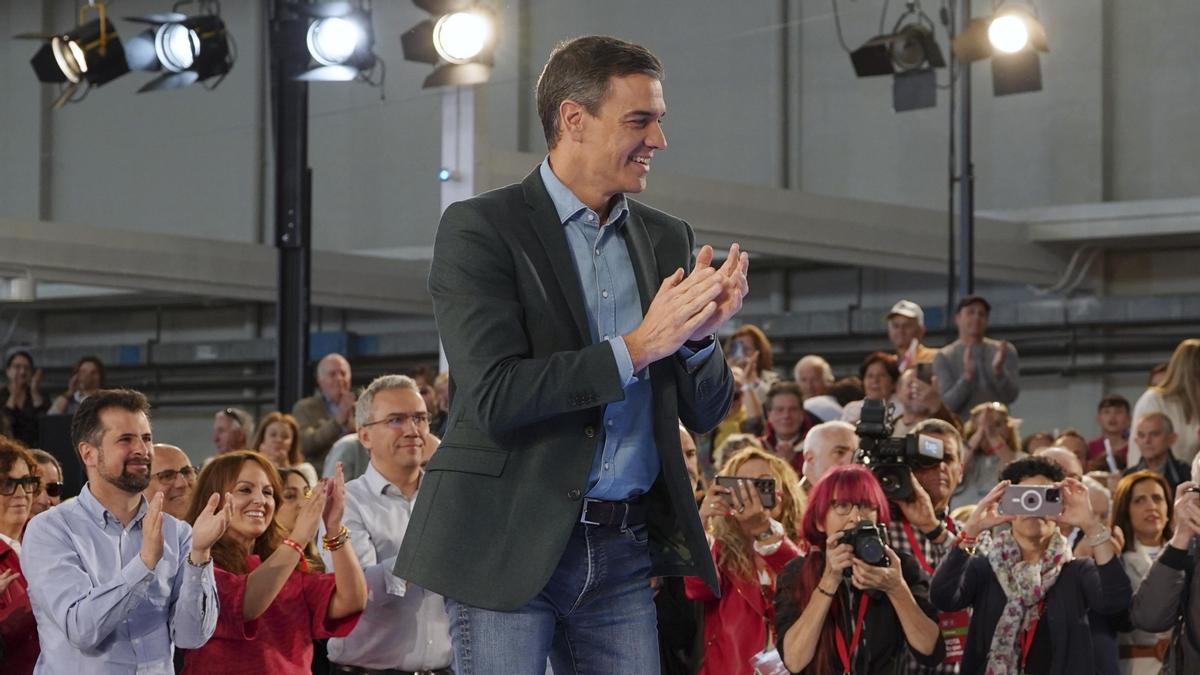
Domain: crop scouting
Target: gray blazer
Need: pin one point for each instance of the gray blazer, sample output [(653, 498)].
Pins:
[(318, 429), (503, 493), (1169, 589)]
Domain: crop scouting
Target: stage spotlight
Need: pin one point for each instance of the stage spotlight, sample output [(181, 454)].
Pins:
[(89, 55), (1012, 39), (340, 42), (909, 53), (459, 41), (190, 49)]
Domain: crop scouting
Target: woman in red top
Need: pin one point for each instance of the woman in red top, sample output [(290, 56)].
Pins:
[(19, 483), (272, 605), (750, 545)]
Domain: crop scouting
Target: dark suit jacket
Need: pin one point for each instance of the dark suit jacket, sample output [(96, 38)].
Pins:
[(318, 429), (502, 494)]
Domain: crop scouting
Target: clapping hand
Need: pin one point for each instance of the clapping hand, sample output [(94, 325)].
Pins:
[(210, 525), (152, 537), (335, 502), (734, 287), (310, 514)]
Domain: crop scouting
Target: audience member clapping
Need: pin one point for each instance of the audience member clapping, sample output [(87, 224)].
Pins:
[(272, 607), (87, 377), (1177, 397), (1029, 596), (278, 438), (750, 545), (992, 442), (52, 481), (880, 377), (327, 415), (835, 612), (1168, 599), (19, 483), (749, 349), (976, 369), (22, 398)]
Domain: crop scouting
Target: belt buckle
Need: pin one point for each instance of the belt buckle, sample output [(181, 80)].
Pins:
[(583, 518)]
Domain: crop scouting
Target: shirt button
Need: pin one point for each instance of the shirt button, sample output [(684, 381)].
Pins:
[(606, 466), (611, 422), (589, 431), (604, 294), (574, 494), (597, 251)]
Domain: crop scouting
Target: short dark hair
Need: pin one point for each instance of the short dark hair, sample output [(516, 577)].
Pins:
[(1113, 401), (1032, 466), (782, 388), (579, 70), (95, 361), (888, 361), (969, 300), (12, 355), (86, 426)]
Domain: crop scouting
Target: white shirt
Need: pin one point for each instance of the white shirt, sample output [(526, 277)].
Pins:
[(12, 543), (404, 626)]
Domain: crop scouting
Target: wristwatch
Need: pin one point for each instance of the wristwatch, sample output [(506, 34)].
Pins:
[(936, 532)]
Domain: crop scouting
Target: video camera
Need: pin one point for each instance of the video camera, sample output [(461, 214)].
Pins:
[(890, 458)]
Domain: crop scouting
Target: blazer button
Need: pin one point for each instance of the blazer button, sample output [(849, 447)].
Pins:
[(589, 431), (574, 494)]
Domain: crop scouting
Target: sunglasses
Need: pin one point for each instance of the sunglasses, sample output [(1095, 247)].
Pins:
[(188, 472), (54, 490), (31, 484)]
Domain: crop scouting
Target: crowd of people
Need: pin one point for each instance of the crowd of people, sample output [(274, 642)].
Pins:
[(277, 553)]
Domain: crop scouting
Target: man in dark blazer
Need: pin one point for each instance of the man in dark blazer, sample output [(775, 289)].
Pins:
[(579, 330)]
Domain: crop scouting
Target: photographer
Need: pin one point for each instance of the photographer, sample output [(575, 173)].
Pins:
[(837, 613), (924, 530), (750, 545), (1169, 597), (1029, 597)]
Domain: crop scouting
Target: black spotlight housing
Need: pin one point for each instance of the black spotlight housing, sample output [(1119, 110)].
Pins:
[(189, 49), (910, 54), (427, 42), (89, 55), (1013, 72)]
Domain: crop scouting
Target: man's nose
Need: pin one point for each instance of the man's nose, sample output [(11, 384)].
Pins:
[(657, 138)]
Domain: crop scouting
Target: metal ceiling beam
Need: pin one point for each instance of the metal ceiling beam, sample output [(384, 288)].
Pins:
[(165, 263)]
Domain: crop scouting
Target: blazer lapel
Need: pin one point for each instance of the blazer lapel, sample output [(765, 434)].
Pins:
[(550, 232), (641, 253)]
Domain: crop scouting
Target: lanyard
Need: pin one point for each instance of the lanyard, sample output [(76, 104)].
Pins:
[(916, 548), (1027, 636), (843, 654)]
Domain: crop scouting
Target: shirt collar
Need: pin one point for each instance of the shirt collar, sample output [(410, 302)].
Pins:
[(382, 486), (96, 510), (12, 543), (569, 206)]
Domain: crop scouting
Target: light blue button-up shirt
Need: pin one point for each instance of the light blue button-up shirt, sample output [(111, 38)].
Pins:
[(626, 461), (98, 608)]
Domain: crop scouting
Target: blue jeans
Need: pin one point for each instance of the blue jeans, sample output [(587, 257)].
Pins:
[(595, 615)]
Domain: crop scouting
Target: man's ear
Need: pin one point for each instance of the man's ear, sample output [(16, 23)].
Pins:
[(571, 116), (362, 437), (88, 454)]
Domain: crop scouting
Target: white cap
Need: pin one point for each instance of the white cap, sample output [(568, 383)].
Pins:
[(908, 308)]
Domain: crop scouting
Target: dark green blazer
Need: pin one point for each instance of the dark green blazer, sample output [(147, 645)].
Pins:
[(502, 494)]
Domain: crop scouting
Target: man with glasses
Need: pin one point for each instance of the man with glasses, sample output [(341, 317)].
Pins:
[(52, 482), (405, 627), (172, 474)]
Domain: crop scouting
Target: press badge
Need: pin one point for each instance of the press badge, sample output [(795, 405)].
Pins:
[(954, 633)]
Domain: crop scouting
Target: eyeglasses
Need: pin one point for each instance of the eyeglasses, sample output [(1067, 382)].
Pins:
[(31, 484), (53, 489), (188, 473), (844, 508), (399, 420)]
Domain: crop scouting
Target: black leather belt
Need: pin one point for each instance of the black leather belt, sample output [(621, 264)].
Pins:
[(355, 670), (613, 514)]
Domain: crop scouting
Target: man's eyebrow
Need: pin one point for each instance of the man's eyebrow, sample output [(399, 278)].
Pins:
[(645, 113)]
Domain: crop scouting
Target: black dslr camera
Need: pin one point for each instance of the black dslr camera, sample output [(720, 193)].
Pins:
[(891, 459), (868, 540)]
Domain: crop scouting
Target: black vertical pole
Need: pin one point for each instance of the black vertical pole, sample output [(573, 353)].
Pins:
[(966, 181), (293, 189)]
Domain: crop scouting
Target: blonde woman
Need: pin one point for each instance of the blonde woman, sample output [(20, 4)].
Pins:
[(1178, 397), (750, 546)]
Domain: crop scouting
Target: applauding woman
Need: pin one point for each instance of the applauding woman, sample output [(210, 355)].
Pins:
[(1030, 596), (836, 613), (272, 606)]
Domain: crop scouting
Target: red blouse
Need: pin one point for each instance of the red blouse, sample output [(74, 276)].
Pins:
[(18, 629), (279, 641)]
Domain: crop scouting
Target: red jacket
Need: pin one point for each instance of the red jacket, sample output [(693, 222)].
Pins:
[(18, 629), (735, 626)]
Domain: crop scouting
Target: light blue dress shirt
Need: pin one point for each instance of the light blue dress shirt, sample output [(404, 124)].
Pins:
[(626, 461), (98, 608)]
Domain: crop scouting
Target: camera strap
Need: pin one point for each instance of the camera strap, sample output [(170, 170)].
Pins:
[(917, 549), (845, 655)]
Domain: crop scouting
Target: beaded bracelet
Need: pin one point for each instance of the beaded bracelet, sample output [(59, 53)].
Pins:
[(298, 549)]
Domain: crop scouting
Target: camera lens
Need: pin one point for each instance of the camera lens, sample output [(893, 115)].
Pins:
[(870, 550), (1031, 500), (1053, 495)]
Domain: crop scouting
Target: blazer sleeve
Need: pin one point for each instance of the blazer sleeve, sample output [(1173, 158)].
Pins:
[(956, 581), (482, 322), (1155, 605), (1106, 587)]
